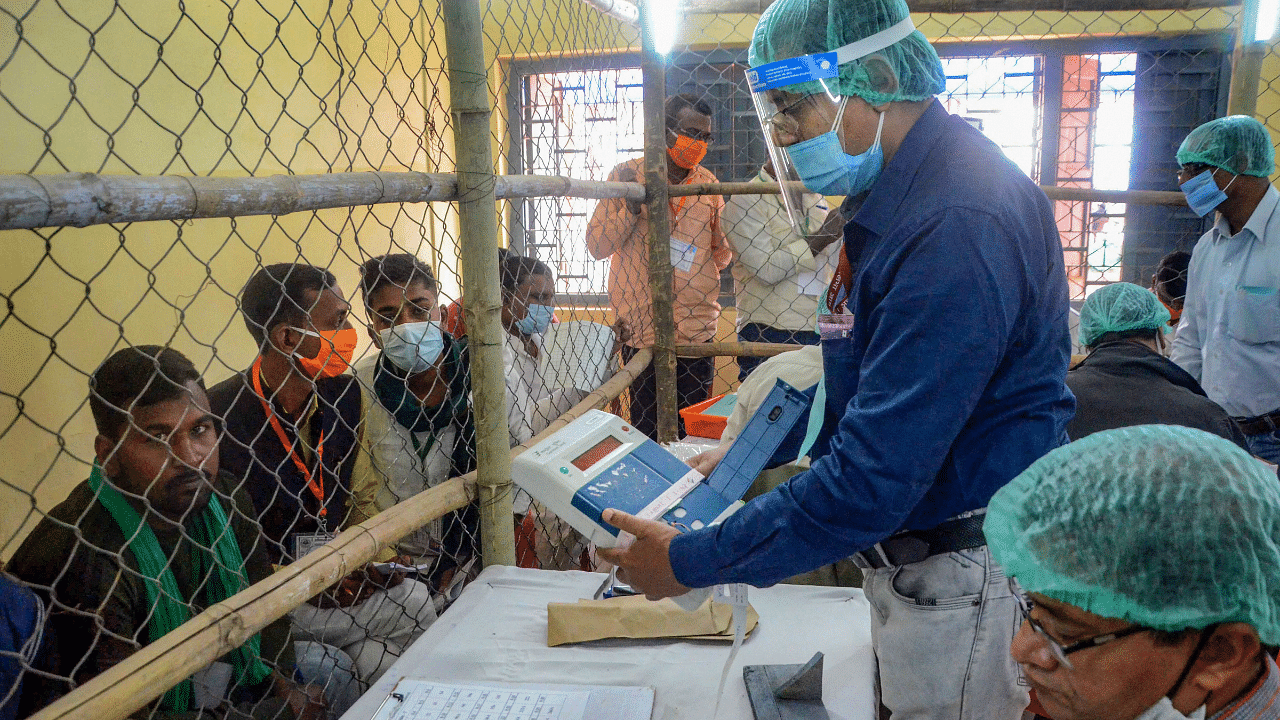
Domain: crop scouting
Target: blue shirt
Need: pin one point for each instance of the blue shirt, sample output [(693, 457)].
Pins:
[(952, 379)]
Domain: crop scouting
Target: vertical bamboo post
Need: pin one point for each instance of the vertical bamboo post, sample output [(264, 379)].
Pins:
[(1246, 64), (661, 274), (478, 241)]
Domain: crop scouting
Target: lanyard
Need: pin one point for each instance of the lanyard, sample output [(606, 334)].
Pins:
[(677, 207), (422, 449), (314, 482)]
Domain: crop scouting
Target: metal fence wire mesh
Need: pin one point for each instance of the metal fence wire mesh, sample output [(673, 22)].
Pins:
[(1094, 100)]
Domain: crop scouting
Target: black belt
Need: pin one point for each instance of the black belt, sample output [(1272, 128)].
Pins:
[(914, 546), (1260, 424)]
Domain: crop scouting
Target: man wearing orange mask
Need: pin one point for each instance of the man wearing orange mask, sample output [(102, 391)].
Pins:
[(293, 424), (619, 230)]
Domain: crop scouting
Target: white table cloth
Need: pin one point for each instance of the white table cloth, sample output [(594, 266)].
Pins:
[(497, 632)]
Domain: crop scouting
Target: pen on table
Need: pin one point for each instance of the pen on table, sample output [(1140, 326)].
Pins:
[(393, 696)]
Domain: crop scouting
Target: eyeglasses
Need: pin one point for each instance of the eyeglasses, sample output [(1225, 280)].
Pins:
[(1057, 649), (1191, 170), (783, 120), (705, 137)]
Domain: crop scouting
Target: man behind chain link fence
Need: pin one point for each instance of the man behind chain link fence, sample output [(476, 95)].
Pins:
[(779, 273), (619, 231), (142, 546), (294, 425), (418, 429)]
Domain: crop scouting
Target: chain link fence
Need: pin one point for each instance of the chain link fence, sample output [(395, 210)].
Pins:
[(1092, 101)]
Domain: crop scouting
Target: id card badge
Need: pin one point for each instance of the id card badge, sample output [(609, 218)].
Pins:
[(833, 326), (682, 255), (210, 685), (305, 543)]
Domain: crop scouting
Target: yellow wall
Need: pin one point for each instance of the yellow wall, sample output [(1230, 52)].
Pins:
[(79, 294), (320, 91)]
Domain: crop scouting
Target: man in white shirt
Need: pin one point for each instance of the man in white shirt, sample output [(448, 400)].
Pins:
[(528, 302), (1229, 334), (779, 274)]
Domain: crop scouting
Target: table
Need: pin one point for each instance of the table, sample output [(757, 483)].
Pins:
[(497, 632)]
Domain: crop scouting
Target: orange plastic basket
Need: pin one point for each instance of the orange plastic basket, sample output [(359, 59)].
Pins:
[(704, 426)]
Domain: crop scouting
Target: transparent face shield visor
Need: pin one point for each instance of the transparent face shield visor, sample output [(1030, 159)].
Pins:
[(798, 99)]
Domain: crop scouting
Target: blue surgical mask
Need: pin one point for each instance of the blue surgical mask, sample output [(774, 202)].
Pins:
[(825, 168), (536, 320), (413, 347), (1203, 194)]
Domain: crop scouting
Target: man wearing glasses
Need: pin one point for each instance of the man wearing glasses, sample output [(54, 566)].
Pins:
[(919, 430), (1147, 571), (619, 230), (1229, 332)]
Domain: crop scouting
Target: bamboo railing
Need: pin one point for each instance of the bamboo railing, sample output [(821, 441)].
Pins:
[(84, 199)]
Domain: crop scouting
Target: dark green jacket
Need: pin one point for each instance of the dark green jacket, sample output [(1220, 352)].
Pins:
[(98, 603)]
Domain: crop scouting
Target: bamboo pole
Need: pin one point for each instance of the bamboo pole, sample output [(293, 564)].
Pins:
[(734, 349), (1137, 197), (146, 675), (753, 7), (524, 186), (661, 274), (1246, 63), (478, 243), (83, 199)]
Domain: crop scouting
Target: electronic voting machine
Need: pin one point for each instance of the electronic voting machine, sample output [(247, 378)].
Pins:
[(599, 461)]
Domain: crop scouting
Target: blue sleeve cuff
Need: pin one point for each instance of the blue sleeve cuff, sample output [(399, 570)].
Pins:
[(694, 558)]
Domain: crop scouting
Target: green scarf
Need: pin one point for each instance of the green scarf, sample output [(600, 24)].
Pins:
[(215, 554), (390, 384)]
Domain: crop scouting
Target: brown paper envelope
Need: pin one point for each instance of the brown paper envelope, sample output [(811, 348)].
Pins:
[(636, 617)]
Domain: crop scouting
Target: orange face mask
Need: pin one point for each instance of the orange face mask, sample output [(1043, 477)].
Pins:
[(688, 152), (337, 347)]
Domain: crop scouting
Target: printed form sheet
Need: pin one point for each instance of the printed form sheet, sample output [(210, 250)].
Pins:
[(426, 700)]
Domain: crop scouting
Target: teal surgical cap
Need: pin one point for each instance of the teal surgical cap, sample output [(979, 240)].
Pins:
[(1238, 144), (1119, 307), (1163, 526), (793, 28)]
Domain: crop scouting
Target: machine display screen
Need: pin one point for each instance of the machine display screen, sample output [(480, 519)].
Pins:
[(596, 453)]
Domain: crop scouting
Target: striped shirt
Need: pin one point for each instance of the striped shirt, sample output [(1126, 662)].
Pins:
[(1260, 703)]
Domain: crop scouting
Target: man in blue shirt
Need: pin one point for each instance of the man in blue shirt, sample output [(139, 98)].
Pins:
[(923, 426)]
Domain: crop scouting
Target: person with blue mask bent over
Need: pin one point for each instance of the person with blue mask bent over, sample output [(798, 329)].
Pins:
[(921, 428), (1229, 334)]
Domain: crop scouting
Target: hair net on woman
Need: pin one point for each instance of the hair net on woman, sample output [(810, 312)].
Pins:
[(1238, 144), (792, 28), (1119, 307), (1163, 526)]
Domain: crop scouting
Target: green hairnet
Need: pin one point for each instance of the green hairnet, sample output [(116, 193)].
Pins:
[(1238, 144), (1119, 307), (1163, 526), (792, 28)]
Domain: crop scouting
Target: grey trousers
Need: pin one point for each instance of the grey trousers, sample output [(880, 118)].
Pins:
[(941, 629)]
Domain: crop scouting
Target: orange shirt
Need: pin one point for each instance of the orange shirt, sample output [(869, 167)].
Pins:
[(699, 251)]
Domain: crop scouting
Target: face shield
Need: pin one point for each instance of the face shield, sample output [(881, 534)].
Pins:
[(799, 98)]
